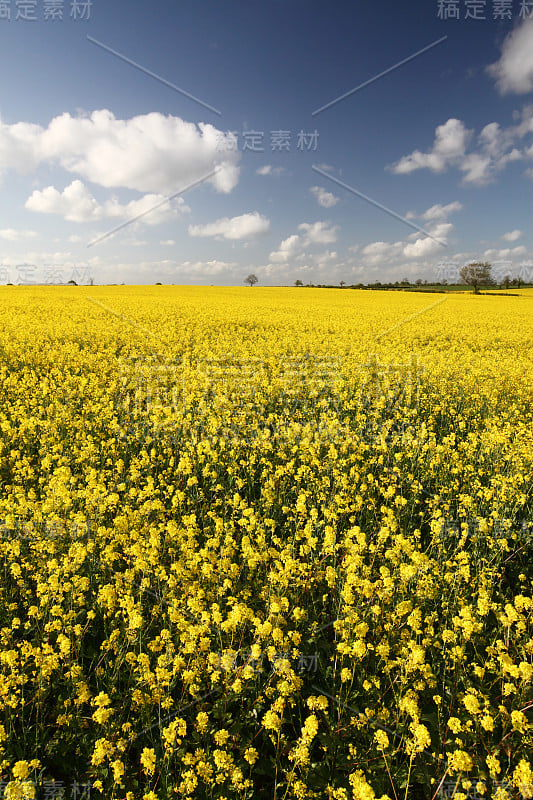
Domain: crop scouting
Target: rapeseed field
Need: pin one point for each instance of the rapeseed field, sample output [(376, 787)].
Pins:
[(265, 543)]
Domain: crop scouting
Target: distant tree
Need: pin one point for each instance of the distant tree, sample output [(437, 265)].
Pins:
[(251, 279), (506, 281), (71, 283), (342, 283), (418, 282), (477, 274), (298, 282), (158, 283)]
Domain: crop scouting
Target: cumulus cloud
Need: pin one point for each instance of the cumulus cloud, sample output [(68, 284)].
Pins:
[(417, 257), (506, 252), (12, 235), (450, 143), (311, 234), (76, 204), (379, 252), (513, 72), (268, 169), (417, 245), (426, 246), (494, 148), (438, 211), (213, 267), (324, 198), (325, 258), (245, 226), (147, 153), (287, 248), (318, 233), (512, 236), (170, 271), (323, 265)]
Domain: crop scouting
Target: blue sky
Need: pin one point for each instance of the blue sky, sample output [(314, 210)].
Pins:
[(88, 141)]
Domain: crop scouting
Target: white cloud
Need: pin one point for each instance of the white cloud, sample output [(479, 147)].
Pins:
[(450, 143), (379, 252), (318, 233), (287, 248), (476, 168), (168, 271), (425, 245), (243, 227), (494, 149), (168, 242), (328, 257), (268, 169), (439, 212), (512, 236), (514, 70), (311, 234), (213, 267), (417, 245), (76, 204), (323, 266), (506, 252), (12, 235), (148, 153), (324, 198)]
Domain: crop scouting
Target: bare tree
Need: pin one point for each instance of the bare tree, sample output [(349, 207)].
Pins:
[(251, 279), (477, 274)]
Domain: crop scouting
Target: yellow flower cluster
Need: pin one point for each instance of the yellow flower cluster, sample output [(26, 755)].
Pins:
[(268, 543)]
